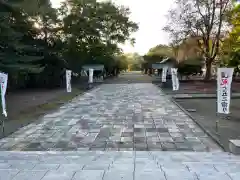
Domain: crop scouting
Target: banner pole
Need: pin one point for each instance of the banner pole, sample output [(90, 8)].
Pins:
[(3, 126), (217, 122), (2, 116)]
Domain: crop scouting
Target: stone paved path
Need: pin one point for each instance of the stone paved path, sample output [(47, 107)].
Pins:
[(131, 165), (114, 117)]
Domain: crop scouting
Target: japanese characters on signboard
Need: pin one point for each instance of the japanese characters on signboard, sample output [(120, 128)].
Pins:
[(68, 80), (224, 89), (90, 80), (3, 83), (164, 73), (175, 81)]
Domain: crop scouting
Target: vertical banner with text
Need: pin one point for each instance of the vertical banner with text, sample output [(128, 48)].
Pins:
[(164, 74), (175, 81), (90, 76), (3, 83), (224, 81), (68, 80)]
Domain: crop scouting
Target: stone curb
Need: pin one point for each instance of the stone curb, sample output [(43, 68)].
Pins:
[(202, 97), (199, 124)]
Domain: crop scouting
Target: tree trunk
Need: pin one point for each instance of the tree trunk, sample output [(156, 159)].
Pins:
[(208, 74)]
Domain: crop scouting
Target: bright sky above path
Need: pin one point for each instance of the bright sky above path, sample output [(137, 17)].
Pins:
[(150, 15)]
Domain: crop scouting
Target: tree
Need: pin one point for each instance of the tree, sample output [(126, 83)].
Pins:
[(38, 42), (162, 50), (202, 19), (230, 48), (93, 30), (190, 67), (16, 53)]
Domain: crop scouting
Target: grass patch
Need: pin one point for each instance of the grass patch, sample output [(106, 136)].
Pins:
[(35, 112), (32, 114)]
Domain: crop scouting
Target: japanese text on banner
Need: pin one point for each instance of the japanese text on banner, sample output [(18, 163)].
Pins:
[(224, 89), (164, 74), (68, 80), (3, 83), (175, 81)]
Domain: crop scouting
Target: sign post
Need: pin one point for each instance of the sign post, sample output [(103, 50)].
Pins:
[(175, 81), (90, 78), (68, 80), (224, 81), (164, 74), (3, 89)]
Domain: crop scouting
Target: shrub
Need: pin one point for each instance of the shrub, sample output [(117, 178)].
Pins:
[(190, 67)]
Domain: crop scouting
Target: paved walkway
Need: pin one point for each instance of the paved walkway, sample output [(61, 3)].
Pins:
[(86, 165), (123, 117)]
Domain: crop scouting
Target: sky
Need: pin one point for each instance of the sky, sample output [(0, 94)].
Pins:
[(151, 18)]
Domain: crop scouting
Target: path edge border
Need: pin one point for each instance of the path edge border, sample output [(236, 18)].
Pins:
[(199, 124)]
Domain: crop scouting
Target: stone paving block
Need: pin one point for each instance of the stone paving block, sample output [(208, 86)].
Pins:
[(213, 176), (228, 168), (30, 175), (46, 167), (147, 175), (154, 146), (166, 139), (97, 166), (201, 168), (234, 176), (4, 166), (8, 174), (183, 175), (141, 167), (21, 165), (173, 166), (57, 175), (70, 167), (89, 175), (122, 166), (118, 175), (168, 146), (183, 146), (141, 147)]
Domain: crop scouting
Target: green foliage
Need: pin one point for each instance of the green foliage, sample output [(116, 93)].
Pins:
[(230, 49), (38, 42), (190, 66), (161, 50), (150, 59), (122, 62), (16, 53)]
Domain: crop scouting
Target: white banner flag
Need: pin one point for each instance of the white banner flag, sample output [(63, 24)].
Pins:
[(68, 80), (224, 81), (90, 76), (175, 81), (3, 83), (164, 74)]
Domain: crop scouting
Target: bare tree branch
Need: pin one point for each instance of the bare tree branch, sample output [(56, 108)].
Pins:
[(203, 19)]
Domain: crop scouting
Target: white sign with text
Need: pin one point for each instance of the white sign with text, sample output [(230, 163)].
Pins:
[(224, 81), (68, 80), (3, 82), (90, 75), (164, 74), (175, 80)]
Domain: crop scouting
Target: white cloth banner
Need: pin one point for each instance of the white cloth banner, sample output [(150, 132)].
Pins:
[(164, 74), (90, 76), (224, 81), (68, 80), (175, 80), (3, 83)]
